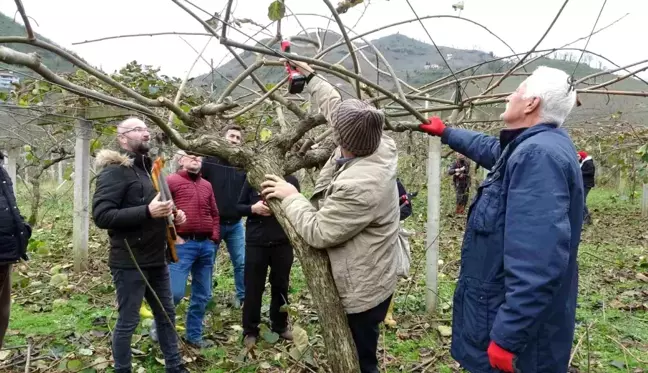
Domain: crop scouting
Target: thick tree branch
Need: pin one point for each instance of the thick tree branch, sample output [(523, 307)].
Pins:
[(98, 74), (257, 101), (312, 158)]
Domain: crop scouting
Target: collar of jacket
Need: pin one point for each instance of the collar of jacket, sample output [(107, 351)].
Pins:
[(139, 160), (516, 136), (185, 174)]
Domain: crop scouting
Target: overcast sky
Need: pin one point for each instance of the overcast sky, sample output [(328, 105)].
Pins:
[(519, 22)]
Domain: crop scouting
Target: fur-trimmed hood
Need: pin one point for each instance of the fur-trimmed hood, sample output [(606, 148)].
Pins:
[(107, 157)]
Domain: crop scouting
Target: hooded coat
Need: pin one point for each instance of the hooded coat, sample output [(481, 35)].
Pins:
[(120, 204)]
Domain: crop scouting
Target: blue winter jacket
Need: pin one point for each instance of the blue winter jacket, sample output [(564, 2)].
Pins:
[(518, 280)]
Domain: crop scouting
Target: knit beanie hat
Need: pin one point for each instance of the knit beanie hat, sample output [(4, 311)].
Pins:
[(357, 126), (582, 154)]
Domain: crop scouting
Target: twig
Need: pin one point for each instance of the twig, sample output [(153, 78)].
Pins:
[(23, 14), (589, 38), (626, 350), (354, 58), (29, 346), (140, 35), (580, 340), (94, 365), (490, 88)]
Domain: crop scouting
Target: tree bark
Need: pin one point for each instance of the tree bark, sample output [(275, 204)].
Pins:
[(36, 197), (340, 348)]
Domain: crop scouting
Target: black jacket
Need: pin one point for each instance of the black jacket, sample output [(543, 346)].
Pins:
[(227, 182), (588, 169), (261, 230), (120, 205), (404, 201), (14, 232)]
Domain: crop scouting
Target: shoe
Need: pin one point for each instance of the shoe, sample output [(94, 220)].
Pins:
[(201, 344), (249, 341), (179, 369), (287, 335), (153, 333)]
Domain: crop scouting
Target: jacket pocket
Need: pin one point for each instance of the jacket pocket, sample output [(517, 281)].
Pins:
[(481, 301), (483, 217)]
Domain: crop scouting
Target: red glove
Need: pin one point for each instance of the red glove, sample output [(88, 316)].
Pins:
[(434, 126), (500, 358)]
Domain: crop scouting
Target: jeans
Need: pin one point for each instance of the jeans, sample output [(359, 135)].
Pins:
[(197, 258), (234, 237), (131, 290), (258, 258), (365, 329)]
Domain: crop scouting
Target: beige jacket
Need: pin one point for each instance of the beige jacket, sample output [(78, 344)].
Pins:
[(353, 214)]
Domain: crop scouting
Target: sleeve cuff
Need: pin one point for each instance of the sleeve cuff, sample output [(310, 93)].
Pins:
[(148, 213), (445, 136)]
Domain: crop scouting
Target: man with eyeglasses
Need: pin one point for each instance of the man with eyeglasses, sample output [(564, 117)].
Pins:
[(125, 203)]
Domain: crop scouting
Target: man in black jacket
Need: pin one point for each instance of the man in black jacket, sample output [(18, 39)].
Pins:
[(14, 236), (227, 182), (266, 245), (125, 203), (589, 171)]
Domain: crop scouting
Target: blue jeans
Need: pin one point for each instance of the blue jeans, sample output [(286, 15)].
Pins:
[(196, 257), (234, 237), (131, 290)]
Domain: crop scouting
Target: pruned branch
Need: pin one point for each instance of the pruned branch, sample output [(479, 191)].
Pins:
[(21, 9), (354, 58)]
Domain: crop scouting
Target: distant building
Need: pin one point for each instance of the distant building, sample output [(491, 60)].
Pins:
[(431, 66), (7, 78)]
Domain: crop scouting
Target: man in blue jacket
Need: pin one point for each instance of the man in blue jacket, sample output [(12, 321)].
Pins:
[(515, 301)]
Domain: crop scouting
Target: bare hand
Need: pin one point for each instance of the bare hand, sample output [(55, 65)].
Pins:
[(159, 209), (180, 241), (276, 187), (180, 217), (261, 208)]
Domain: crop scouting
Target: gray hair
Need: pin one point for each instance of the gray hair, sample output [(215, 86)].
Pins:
[(553, 88)]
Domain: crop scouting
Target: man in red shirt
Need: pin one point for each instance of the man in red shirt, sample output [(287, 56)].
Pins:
[(195, 246)]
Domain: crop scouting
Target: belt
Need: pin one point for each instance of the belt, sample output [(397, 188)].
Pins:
[(195, 236)]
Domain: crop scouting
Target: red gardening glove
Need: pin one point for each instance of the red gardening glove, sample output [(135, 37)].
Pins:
[(434, 126), (500, 358)]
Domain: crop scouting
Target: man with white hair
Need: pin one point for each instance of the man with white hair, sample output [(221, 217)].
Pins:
[(515, 301), (125, 203)]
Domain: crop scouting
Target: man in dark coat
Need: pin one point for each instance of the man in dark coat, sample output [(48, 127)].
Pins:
[(14, 236), (515, 302), (460, 172), (227, 182), (125, 203), (266, 246), (589, 172)]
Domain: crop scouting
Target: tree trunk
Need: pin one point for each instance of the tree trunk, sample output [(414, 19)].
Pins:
[(36, 197), (340, 348)]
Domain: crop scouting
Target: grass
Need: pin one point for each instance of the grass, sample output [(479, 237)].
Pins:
[(69, 324)]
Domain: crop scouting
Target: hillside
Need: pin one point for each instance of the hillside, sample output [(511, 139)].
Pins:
[(418, 63), (10, 28)]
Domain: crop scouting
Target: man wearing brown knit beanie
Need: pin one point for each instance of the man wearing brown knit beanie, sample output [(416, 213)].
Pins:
[(357, 219)]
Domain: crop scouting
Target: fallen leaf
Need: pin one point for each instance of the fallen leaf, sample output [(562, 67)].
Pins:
[(265, 365), (300, 338), (59, 279), (74, 365), (444, 330), (4, 354), (641, 277), (101, 363), (85, 352), (617, 364), (161, 361)]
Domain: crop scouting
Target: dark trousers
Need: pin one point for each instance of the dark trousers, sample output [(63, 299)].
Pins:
[(131, 290), (279, 257), (365, 328), (586, 215), (5, 299), (462, 191)]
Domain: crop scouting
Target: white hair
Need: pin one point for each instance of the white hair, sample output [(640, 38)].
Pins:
[(553, 88)]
